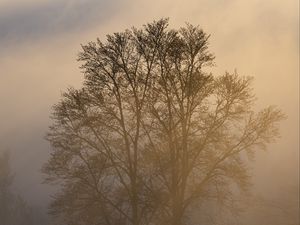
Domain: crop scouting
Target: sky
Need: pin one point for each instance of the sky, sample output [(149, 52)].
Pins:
[(40, 40)]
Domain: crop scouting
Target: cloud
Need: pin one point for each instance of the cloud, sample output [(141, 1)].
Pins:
[(33, 22)]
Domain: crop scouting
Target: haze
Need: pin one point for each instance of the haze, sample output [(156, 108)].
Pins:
[(40, 40)]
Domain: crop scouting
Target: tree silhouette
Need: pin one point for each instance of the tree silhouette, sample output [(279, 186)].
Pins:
[(151, 136), (13, 209)]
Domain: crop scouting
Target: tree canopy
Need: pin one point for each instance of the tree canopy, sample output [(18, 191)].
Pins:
[(151, 136)]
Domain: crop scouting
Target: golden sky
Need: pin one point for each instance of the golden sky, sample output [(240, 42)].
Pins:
[(40, 39)]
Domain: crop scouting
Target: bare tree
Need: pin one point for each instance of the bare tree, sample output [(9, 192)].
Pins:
[(13, 209), (275, 210), (150, 136)]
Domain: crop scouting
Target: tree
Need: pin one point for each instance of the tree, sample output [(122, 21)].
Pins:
[(150, 136), (13, 209), (275, 210)]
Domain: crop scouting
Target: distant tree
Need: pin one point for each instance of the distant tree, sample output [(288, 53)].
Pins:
[(13, 209), (151, 136), (275, 210)]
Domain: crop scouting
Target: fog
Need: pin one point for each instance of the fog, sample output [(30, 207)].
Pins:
[(40, 40)]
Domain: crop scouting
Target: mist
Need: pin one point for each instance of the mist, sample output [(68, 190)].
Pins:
[(39, 46)]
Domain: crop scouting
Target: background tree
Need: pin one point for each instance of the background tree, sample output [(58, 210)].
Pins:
[(13, 209), (275, 210), (151, 136)]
